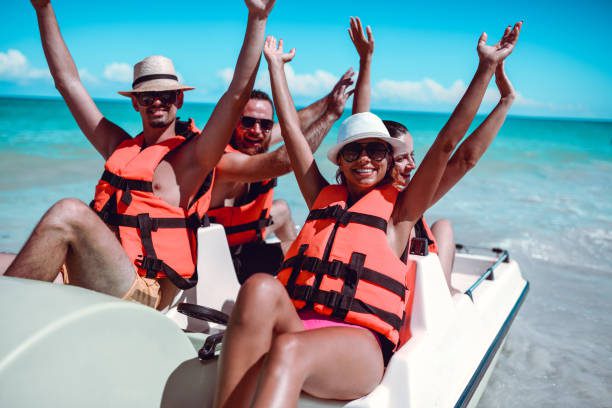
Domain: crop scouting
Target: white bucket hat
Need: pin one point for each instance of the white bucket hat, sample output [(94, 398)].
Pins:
[(360, 126), (155, 74)]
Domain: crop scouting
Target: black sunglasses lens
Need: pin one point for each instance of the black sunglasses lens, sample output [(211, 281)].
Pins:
[(144, 99), (376, 151), (351, 152), (248, 122), (266, 124), (148, 98), (167, 98)]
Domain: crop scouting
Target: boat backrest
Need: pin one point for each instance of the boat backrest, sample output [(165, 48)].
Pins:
[(217, 286), (432, 304)]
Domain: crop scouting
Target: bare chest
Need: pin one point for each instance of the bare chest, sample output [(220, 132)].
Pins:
[(226, 194)]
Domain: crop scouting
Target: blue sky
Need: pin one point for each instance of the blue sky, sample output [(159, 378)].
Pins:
[(425, 51)]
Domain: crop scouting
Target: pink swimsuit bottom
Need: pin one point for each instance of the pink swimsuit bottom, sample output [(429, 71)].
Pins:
[(313, 320)]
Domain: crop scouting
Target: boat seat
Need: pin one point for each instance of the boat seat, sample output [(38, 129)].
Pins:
[(217, 286)]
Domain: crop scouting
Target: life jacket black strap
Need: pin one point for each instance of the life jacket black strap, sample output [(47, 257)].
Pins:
[(122, 183), (421, 232), (193, 222), (344, 217), (295, 268), (154, 265), (255, 190), (338, 269), (258, 225), (342, 304)]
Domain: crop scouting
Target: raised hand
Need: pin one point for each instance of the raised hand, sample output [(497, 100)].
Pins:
[(493, 54), (506, 90), (275, 55), (363, 45), (39, 4), (336, 100), (260, 8)]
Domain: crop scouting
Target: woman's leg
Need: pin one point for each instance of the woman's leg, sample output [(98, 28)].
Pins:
[(443, 232), (262, 311), (334, 362)]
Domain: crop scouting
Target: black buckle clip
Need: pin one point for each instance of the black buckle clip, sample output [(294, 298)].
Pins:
[(332, 299), (150, 264), (146, 223), (334, 268), (306, 293)]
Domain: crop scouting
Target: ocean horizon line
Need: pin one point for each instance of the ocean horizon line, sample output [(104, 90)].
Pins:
[(420, 112)]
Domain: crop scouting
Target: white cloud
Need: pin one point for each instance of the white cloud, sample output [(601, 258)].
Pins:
[(426, 91), (118, 72), (15, 66), (316, 84), (430, 92), (310, 85), (226, 75)]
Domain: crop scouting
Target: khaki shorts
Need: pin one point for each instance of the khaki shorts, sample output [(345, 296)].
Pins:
[(143, 290)]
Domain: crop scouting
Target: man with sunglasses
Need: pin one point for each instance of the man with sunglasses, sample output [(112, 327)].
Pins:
[(242, 197), (142, 246)]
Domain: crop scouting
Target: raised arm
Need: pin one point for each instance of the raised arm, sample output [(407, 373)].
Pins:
[(306, 171), (416, 198), (472, 149), (103, 134), (218, 130), (365, 49), (246, 168)]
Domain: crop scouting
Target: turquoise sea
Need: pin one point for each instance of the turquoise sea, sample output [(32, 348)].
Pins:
[(543, 191)]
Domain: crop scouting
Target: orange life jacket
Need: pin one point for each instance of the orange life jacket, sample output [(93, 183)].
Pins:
[(342, 266), (159, 238), (247, 220)]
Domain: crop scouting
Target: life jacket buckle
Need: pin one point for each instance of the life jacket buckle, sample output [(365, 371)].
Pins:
[(334, 268), (149, 264), (344, 218), (333, 212), (146, 223), (311, 264), (332, 299), (193, 222)]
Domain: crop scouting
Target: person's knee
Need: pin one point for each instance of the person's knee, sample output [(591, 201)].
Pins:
[(281, 210), (65, 214), (258, 299), (286, 353), (442, 227)]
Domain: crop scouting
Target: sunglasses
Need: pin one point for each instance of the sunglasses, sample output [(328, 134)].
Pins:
[(249, 122), (148, 98), (375, 151)]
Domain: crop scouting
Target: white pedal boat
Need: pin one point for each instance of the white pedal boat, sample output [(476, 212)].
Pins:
[(64, 346)]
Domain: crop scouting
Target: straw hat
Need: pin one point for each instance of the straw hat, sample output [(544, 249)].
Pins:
[(360, 126), (155, 74)]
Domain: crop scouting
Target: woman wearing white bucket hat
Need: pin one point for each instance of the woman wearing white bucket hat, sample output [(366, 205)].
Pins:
[(332, 319), (440, 236)]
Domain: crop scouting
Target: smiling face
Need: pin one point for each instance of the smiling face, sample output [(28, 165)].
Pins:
[(158, 109), (404, 163), (252, 136), (364, 173)]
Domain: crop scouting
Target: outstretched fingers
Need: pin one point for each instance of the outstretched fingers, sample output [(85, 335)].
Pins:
[(274, 53), (363, 42)]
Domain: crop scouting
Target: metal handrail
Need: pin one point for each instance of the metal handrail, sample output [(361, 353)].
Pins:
[(504, 256)]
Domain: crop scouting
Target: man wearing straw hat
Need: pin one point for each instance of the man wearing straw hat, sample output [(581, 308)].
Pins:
[(94, 254)]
